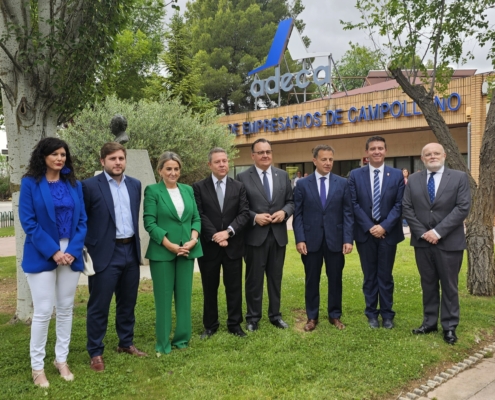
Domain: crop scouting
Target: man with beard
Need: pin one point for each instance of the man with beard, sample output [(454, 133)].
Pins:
[(112, 202), (436, 203)]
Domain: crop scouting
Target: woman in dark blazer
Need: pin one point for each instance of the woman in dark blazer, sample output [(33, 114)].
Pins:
[(171, 218), (52, 214)]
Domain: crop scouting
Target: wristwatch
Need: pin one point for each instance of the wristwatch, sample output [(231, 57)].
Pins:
[(230, 232)]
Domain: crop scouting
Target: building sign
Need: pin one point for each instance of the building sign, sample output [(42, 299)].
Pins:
[(355, 114), (287, 36)]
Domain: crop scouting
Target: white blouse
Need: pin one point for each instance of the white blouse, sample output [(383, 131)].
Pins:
[(177, 200)]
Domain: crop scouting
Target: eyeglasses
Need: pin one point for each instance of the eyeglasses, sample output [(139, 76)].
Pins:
[(262, 153)]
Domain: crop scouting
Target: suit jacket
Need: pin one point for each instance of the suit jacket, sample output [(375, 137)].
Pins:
[(312, 221), (259, 204), (235, 213), (447, 213), (391, 195), (100, 209), (38, 219), (161, 219)]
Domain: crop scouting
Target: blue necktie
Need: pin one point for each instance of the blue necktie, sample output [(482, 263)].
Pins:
[(323, 192), (431, 187), (376, 196), (266, 185)]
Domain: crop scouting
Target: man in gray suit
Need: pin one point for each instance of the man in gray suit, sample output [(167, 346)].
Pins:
[(269, 194), (436, 203)]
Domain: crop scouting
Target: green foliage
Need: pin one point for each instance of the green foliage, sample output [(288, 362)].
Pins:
[(416, 29), (66, 49), (182, 80), (4, 178), (357, 61), (156, 126), (229, 39), (137, 48), (357, 363)]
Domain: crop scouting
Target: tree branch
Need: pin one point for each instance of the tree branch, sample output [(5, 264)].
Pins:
[(436, 47), (7, 52)]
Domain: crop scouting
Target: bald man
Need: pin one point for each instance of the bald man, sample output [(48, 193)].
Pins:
[(436, 203)]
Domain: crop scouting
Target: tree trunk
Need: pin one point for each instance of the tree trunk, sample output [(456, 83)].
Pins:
[(479, 224), (27, 120), (481, 272)]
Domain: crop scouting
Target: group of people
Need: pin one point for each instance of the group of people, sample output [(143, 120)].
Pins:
[(221, 221)]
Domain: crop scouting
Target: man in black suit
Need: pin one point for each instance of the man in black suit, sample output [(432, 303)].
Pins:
[(270, 205), (112, 202), (436, 203), (224, 211)]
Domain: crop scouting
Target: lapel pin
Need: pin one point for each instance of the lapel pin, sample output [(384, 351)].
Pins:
[(388, 173)]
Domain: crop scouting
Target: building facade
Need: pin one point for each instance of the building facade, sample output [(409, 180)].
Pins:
[(346, 121)]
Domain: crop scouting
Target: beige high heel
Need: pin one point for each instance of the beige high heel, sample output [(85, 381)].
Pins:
[(39, 378), (64, 370)]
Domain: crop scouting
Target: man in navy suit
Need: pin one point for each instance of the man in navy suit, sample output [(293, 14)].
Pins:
[(112, 202), (323, 227), (376, 192)]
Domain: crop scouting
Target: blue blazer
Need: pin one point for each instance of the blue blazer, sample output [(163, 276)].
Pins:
[(37, 217), (100, 209), (311, 219), (390, 204)]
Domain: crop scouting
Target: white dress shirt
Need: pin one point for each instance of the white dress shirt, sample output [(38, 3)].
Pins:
[(381, 168), (327, 182), (122, 207), (268, 175)]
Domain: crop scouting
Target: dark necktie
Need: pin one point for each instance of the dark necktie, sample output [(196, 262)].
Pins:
[(431, 187), (376, 196), (323, 192), (220, 194), (266, 185)]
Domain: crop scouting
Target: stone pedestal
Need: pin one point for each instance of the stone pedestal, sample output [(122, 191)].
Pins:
[(139, 167)]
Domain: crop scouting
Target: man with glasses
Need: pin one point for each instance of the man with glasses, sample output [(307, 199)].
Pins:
[(269, 194)]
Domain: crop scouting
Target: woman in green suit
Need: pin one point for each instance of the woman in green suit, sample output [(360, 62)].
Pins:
[(171, 218)]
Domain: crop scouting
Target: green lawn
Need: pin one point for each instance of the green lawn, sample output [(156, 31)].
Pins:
[(7, 231), (357, 363)]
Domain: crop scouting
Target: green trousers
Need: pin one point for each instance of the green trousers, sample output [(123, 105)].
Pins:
[(172, 279)]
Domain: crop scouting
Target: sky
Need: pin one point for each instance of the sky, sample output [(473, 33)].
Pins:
[(322, 18)]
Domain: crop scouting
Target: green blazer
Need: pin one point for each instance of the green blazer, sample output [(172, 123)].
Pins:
[(161, 219)]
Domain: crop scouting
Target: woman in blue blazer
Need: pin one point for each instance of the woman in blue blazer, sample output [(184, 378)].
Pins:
[(52, 214)]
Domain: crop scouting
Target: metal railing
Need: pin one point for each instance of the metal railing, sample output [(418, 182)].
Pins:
[(6, 219)]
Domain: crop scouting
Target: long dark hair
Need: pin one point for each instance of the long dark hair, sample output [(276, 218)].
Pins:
[(45, 147)]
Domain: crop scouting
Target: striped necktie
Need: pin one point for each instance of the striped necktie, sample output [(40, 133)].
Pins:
[(376, 196)]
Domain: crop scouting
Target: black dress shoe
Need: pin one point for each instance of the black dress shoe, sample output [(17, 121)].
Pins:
[(237, 331), (422, 330), (252, 326), (373, 323), (208, 333), (449, 337), (388, 323), (279, 323)]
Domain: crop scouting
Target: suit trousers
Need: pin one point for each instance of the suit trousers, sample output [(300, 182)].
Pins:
[(260, 260), (439, 269), (172, 280), (121, 277), (232, 280), (377, 262), (334, 265)]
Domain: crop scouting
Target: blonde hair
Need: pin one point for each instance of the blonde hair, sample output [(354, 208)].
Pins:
[(167, 156)]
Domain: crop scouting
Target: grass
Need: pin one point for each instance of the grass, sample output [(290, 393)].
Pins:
[(7, 231), (357, 363)]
